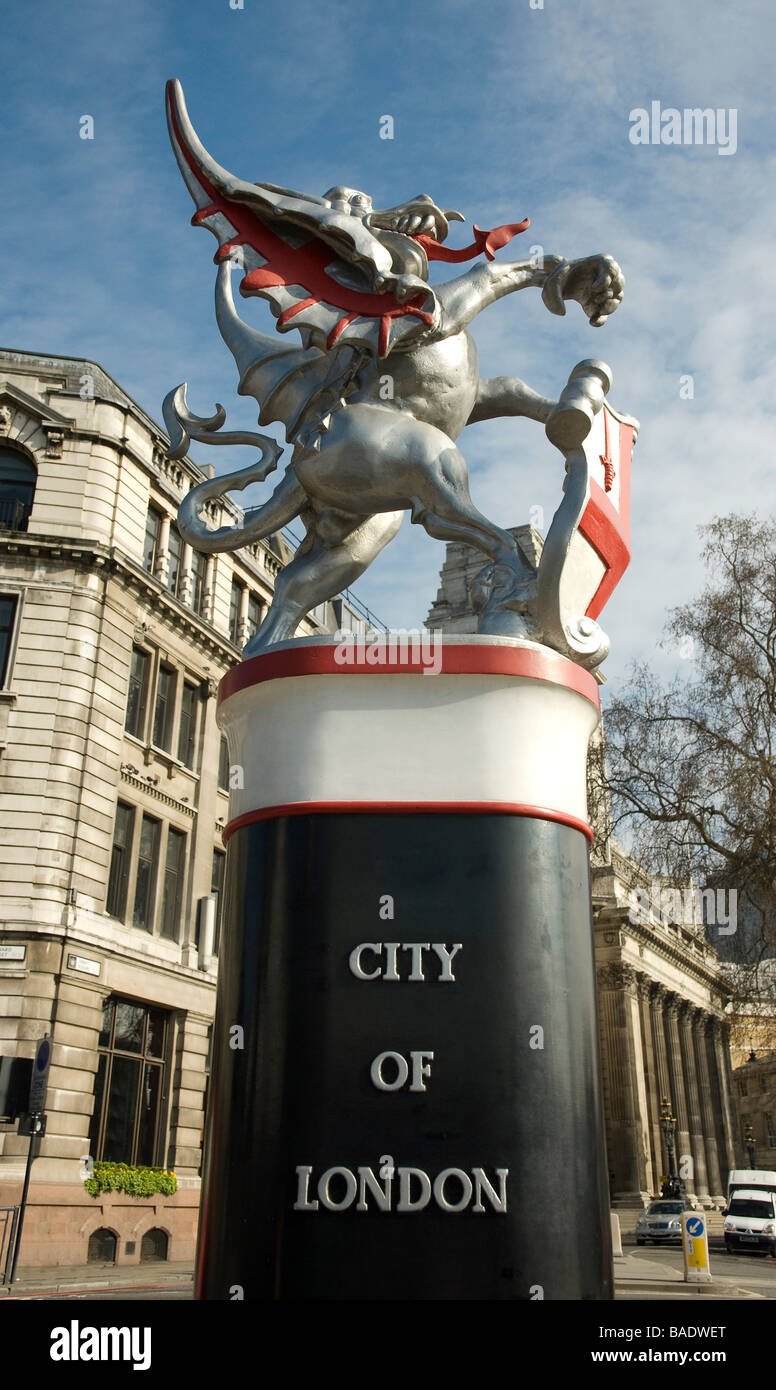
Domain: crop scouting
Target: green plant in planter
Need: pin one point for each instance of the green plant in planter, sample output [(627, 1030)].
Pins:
[(138, 1182)]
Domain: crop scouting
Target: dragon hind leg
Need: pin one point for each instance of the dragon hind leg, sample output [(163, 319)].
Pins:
[(319, 571), (443, 506)]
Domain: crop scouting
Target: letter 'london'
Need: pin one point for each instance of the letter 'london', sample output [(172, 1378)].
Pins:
[(452, 1190)]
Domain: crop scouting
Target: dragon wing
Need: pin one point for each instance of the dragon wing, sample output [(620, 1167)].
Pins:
[(322, 271)]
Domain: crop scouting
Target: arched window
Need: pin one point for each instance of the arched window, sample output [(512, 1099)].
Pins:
[(102, 1247), (17, 489)]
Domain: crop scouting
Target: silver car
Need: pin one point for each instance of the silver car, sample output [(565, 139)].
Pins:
[(661, 1221)]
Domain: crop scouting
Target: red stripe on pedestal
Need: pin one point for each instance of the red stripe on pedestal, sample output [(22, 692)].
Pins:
[(406, 808), (463, 659)]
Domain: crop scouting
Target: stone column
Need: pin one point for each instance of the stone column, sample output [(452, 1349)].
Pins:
[(186, 579), (243, 630), (701, 1024), (721, 1083), (676, 1094), (625, 1148), (162, 562), (209, 589), (651, 1079), (700, 1183), (187, 1116), (657, 1004)]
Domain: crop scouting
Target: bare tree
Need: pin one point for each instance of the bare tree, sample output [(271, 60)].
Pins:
[(691, 764)]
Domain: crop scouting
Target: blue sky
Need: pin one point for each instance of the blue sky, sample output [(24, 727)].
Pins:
[(501, 110)]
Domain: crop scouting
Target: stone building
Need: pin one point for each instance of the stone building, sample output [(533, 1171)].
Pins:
[(113, 793), (664, 1032), (663, 997), (753, 1022), (754, 1085)]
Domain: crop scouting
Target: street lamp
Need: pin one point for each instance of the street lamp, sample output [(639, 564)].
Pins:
[(751, 1145), (672, 1185)]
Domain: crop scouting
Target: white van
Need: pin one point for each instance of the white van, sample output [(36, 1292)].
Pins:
[(750, 1215)]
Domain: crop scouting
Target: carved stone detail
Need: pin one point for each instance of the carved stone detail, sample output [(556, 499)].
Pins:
[(54, 441)]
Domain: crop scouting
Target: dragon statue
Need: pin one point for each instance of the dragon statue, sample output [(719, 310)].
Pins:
[(382, 383)]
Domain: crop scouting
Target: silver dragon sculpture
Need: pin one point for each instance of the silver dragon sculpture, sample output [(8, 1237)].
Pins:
[(378, 380)]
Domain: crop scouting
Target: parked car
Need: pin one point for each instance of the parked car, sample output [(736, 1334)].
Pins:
[(750, 1220), (661, 1221)]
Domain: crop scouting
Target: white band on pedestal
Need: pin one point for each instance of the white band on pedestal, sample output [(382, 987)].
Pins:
[(502, 727)]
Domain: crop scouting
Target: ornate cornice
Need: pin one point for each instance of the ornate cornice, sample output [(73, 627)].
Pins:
[(609, 917), (91, 554), (144, 785)]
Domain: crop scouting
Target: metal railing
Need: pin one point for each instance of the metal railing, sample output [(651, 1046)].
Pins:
[(9, 1217), (14, 514)]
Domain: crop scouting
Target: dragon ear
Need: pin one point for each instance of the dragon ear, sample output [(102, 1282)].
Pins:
[(201, 174)]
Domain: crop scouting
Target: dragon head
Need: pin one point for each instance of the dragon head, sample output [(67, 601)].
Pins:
[(395, 228)]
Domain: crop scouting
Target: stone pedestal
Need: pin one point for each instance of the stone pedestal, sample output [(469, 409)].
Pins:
[(406, 1098)]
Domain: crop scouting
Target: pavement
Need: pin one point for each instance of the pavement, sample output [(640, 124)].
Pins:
[(636, 1277), (61, 1280)]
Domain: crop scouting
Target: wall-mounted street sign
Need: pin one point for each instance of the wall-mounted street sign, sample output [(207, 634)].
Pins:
[(695, 1248), (83, 964), (9, 951), (39, 1082)]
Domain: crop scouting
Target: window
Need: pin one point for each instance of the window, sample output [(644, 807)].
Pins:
[(254, 613), (175, 570), (8, 605), (770, 1130), (138, 692), (763, 1083), (118, 878), (147, 875), (172, 891), (163, 707), (223, 765), (235, 604), (153, 533), (198, 564), (187, 726), (742, 1087), (129, 1086), (217, 889), (18, 477), (147, 867)]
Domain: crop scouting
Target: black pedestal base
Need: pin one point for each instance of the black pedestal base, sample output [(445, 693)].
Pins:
[(513, 1083)]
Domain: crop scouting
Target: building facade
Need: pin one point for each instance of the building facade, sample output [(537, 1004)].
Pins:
[(664, 1033), (663, 997), (114, 785), (754, 1086)]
